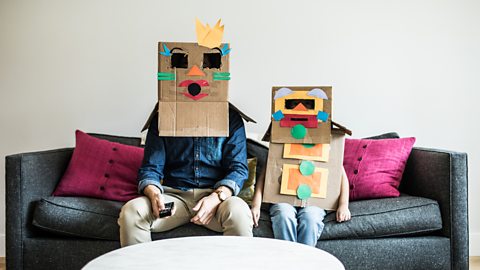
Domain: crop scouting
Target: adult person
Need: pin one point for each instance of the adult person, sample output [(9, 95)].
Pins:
[(200, 175)]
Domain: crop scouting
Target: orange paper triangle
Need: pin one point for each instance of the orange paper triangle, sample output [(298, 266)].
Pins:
[(195, 71), (300, 107)]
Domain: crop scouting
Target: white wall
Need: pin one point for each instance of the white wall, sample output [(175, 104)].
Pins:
[(406, 66)]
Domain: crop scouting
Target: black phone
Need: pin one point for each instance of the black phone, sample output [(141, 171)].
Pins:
[(167, 211)]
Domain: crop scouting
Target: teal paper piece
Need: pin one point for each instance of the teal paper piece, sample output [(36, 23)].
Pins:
[(278, 115), (221, 76), (225, 50), (166, 76), (308, 145), (322, 116), (304, 192), (307, 168), (298, 131), (166, 51)]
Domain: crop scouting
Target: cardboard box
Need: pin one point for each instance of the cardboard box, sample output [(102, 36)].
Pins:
[(316, 131), (274, 174), (192, 90), (203, 119)]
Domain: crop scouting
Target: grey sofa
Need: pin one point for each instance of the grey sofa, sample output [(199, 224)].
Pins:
[(425, 228)]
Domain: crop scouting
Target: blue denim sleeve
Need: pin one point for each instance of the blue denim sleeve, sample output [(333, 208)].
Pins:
[(151, 171), (234, 158)]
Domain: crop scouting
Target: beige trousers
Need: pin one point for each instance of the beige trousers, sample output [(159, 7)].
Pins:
[(233, 216)]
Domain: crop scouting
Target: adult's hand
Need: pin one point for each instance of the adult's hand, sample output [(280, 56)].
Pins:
[(206, 209), (156, 199)]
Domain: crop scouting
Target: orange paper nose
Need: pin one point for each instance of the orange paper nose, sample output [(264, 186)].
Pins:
[(195, 71), (300, 107)]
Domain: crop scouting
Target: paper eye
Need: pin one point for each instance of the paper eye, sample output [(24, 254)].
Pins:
[(212, 60), (179, 60)]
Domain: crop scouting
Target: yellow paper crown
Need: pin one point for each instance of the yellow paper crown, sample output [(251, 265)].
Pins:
[(207, 36)]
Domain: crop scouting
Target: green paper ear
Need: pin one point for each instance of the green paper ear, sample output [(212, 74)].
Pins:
[(304, 192)]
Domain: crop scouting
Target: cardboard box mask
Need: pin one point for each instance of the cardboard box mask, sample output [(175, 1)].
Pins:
[(305, 158), (193, 85), (301, 114)]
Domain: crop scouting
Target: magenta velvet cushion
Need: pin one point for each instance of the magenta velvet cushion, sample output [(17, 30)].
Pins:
[(375, 167), (101, 169)]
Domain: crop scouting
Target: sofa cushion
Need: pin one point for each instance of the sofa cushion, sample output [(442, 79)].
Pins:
[(248, 188), (400, 216), (101, 169), (375, 167), (78, 216), (97, 219)]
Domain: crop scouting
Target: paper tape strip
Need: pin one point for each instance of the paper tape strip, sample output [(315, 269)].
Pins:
[(221, 76), (166, 76)]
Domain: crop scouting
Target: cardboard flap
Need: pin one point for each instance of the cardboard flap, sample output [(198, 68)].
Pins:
[(268, 133), (150, 118), (342, 128), (242, 114)]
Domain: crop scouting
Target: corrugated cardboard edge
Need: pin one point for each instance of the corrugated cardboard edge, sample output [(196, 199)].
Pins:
[(231, 106)]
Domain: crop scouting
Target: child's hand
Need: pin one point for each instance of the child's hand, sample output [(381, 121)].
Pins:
[(343, 213), (255, 214)]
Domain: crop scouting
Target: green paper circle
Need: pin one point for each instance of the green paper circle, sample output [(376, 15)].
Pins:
[(308, 145), (298, 131), (304, 192), (307, 168)]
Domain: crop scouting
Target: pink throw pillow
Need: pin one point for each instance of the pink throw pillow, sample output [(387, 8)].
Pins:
[(375, 167), (101, 169)]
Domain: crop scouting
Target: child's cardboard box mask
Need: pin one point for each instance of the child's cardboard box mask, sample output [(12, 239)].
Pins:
[(301, 114), (193, 85), (305, 158)]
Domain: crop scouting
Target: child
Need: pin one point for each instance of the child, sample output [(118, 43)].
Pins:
[(297, 224)]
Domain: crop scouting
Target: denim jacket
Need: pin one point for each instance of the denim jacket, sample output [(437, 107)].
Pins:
[(195, 162)]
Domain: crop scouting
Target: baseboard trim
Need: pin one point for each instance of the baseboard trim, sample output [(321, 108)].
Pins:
[(475, 244)]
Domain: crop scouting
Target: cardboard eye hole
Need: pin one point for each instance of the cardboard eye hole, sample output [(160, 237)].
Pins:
[(179, 60), (292, 103), (212, 60)]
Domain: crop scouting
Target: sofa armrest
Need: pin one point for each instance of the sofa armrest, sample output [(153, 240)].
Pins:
[(443, 176), (29, 176)]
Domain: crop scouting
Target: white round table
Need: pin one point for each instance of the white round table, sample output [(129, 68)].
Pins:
[(217, 252)]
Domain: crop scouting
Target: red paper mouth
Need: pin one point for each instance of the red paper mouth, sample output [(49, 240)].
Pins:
[(308, 121), (197, 97), (186, 83)]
